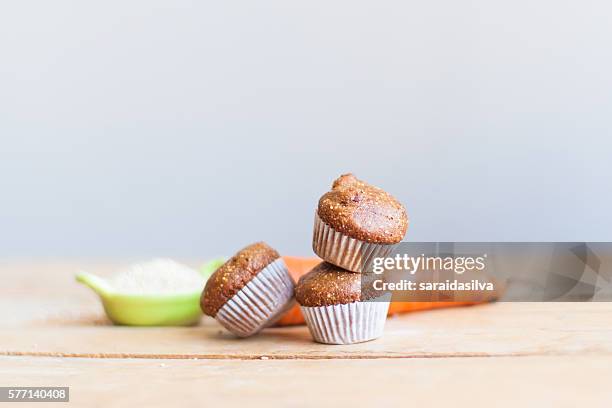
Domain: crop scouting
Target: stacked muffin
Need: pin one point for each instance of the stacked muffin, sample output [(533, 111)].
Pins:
[(354, 223)]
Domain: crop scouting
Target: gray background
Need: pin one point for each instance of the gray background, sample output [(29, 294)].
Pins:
[(189, 129)]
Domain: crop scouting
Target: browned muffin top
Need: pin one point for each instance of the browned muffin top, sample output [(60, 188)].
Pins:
[(363, 212), (327, 285), (233, 275)]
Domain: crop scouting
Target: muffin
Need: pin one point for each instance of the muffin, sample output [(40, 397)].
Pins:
[(337, 309), (250, 291), (355, 223)]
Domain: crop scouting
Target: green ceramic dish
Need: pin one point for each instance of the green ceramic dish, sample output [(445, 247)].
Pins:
[(181, 309)]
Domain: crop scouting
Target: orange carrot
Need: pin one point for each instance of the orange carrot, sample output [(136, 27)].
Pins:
[(300, 266)]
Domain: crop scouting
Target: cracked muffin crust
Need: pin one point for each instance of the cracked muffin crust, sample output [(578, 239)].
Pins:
[(327, 285), (362, 211), (234, 274)]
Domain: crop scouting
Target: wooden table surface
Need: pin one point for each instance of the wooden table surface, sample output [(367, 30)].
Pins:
[(53, 333)]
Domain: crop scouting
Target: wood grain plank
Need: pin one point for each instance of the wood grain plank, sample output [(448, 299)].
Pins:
[(492, 330), (474, 382)]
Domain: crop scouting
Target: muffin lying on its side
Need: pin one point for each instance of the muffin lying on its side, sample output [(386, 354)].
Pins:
[(338, 309), (356, 222), (250, 291)]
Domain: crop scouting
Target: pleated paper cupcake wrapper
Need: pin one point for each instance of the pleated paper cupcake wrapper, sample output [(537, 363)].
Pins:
[(260, 303), (343, 251), (349, 323)]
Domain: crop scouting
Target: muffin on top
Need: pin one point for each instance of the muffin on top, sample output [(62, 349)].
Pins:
[(355, 222), (248, 291), (363, 211)]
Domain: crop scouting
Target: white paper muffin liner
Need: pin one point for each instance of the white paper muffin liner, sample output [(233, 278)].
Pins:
[(343, 251), (347, 323), (260, 303)]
